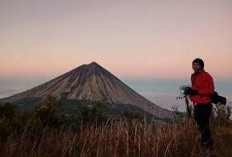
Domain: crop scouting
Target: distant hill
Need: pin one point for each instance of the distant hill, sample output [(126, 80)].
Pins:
[(89, 82)]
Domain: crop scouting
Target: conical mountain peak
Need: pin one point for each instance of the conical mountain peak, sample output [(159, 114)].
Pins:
[(85, 71), (90, 66), (93, 64), (93, 83)]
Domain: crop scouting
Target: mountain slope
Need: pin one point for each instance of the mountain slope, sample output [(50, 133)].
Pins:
[(91, 82)]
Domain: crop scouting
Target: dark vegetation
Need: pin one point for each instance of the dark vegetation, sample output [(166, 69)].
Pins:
[(49, 129)]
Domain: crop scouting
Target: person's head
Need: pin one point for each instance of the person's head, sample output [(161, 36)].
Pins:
[(198, 65)]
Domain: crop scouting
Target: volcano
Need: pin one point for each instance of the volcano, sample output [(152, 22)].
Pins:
[(93, 83)]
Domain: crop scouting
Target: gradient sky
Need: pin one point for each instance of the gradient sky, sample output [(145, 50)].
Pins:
[(130, 38)]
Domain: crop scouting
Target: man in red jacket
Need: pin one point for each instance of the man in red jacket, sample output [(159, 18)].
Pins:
[(201, 94)]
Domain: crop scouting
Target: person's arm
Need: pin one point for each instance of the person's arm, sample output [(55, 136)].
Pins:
[(209, 90)]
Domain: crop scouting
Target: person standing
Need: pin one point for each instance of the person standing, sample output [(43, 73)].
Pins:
[(201, 93)]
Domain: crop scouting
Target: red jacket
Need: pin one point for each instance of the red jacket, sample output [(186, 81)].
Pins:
[(204, 83)]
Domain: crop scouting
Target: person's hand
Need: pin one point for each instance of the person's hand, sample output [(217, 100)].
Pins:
[(190, 91)]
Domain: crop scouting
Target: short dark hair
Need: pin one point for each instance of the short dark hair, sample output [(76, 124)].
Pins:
[(199, 61)]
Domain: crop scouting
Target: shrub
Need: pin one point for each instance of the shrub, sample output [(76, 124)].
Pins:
[(93, 113), (50, 112), (222, 114), (9, 120), (131, 115)]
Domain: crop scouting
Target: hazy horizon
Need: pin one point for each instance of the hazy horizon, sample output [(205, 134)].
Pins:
[(160, 92)]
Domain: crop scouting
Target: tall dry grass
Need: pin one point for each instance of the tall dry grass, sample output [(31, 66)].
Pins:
[(119, 138)]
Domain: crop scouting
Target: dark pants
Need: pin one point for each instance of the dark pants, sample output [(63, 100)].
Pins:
[(202, 113)]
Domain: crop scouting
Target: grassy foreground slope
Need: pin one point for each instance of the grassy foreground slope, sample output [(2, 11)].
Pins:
[(49, 131), (119, 138)]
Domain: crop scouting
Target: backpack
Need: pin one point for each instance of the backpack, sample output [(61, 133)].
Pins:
[(217, 99)]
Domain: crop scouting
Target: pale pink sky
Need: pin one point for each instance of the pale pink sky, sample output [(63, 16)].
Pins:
[(130, 38)]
